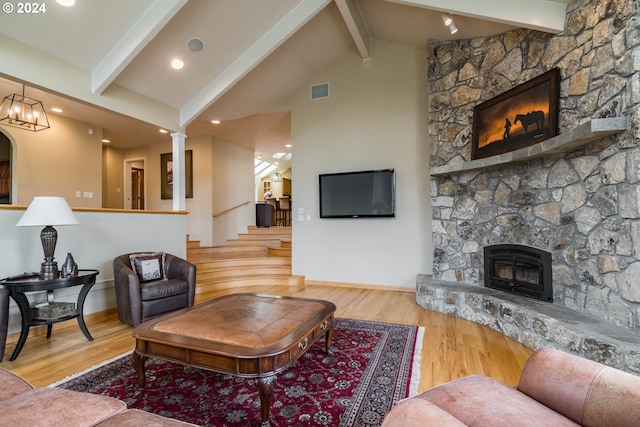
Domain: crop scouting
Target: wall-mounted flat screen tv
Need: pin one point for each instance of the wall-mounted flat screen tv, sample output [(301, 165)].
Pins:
[(358, 194)]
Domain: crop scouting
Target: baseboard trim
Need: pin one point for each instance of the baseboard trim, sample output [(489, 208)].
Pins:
[(359, 286)]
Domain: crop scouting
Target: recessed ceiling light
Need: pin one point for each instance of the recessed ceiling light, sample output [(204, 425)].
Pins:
[(177, 64), (164, 131), (215, 122), (288, 145), (106, 141), (56, 110), (66, 3)]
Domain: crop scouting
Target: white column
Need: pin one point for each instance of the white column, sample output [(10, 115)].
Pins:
[(179, 180)]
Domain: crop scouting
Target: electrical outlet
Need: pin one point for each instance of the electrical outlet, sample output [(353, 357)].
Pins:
[(88, 195), (78, 194)]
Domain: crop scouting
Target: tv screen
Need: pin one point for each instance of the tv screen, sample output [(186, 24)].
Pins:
[(358, 194)]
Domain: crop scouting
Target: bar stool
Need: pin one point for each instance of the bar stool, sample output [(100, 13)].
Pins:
[(283, 210)]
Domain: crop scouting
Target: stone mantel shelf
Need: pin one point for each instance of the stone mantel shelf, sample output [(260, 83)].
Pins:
[(564, 143)]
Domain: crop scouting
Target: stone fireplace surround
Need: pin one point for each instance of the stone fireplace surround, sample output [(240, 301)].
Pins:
[(581, 203)]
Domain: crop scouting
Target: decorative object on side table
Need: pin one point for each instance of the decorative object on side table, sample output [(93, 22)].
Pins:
[(48, 211), (69, 268)]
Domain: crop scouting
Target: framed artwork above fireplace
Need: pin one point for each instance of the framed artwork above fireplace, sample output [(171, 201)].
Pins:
[(519, 117)]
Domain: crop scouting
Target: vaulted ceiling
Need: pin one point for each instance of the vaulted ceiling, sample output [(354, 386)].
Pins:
[(107, 63)]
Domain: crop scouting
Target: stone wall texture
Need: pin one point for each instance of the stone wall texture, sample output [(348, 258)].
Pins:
[(582, 206)]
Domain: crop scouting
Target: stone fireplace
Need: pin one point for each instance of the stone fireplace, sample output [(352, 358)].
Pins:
[(579, 201), (519, 269)]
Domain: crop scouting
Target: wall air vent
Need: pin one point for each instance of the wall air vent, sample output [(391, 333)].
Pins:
[(320, 91)]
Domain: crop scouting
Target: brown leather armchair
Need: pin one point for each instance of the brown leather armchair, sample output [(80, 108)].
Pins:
[(140, 299)]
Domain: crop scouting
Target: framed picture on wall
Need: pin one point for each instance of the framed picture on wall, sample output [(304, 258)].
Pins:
[(166, 175), (518, 118)]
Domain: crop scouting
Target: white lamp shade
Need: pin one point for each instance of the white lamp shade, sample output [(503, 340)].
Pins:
[(45, 210)]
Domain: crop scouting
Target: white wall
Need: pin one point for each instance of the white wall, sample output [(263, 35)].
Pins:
[(199, 223), (100, 237), (223, 178), (373, 119), (233, 184), (112, 177), (57, 162)]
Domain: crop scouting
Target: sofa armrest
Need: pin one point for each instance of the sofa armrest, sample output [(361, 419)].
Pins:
[(12, 384), (416, 412), (137, 418), (127, 286), (613, 400), (178, 268), (560, 381)]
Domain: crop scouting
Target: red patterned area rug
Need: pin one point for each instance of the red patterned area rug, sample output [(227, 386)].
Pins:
[(373, 366)]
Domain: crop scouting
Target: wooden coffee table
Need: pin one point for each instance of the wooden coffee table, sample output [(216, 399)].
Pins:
[(245, 335)]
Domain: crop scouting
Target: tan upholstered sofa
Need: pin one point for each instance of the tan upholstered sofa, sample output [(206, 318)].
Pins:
[(23, 405), (555, 389)]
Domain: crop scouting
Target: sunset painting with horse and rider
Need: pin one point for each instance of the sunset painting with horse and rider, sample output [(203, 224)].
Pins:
[(523, 116)]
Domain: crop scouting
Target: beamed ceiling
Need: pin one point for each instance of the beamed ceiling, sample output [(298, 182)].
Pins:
[(107, 62)]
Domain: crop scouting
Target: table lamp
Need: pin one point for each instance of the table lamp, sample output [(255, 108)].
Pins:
[(47, 212)]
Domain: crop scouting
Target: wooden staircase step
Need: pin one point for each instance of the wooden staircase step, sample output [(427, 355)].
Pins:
[(241, 263), (269, 243), (269, 236), (223, 252), (230, 273), (193, 244), (252, 229), (249, 280), (262, 256), (279, 252)]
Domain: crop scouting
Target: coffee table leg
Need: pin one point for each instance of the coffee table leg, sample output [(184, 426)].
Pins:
[(327, 339), (265, 386), (138, 364)]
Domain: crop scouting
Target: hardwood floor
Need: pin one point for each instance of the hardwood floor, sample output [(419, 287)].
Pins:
[(452, 347)]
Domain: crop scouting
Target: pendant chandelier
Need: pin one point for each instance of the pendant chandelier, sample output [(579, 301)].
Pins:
[(276, 177), (24, 113)]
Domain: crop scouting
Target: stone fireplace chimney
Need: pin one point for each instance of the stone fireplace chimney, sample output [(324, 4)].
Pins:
[(581, 205)]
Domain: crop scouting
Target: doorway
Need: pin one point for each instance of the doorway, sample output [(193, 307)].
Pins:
[(137, 188), (5, 170), (134, 184)]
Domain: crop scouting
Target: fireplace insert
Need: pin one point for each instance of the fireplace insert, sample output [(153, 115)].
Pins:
[(519, 269)]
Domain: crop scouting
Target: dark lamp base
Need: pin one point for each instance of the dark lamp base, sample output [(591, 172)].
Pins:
[(49, 270)]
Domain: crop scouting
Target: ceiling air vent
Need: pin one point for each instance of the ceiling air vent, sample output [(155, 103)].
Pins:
[(320, 91)]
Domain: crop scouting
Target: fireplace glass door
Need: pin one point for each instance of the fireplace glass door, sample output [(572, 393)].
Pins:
[(517, 269)]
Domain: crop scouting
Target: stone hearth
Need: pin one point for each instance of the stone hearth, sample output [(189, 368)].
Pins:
[(533, 323)]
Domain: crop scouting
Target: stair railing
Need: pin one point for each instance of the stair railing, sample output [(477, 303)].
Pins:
[(215, 215)]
